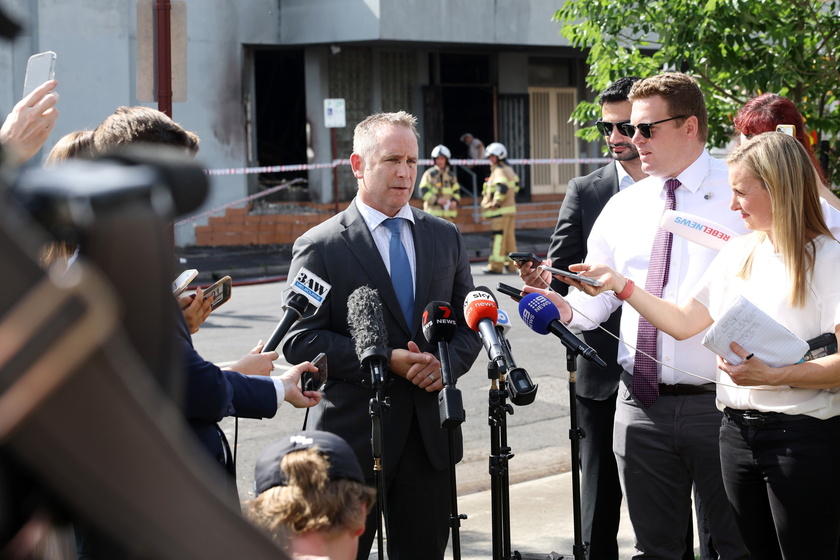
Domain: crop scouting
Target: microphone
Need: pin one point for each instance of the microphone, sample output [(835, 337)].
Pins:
[(439, 326), (502, 322), (543, 317), (294, 309), (481, 314), (521, 389), (367, 327), (698, 229), (306, 289)]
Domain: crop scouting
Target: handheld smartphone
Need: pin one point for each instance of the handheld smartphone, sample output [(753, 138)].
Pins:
[(788, 129), (509, 291), (180, 284), (39, 69), (526, 257), (573, 276), (314, 381), (220, 292)]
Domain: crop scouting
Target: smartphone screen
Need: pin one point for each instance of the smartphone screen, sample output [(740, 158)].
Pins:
[(788, 129), (39, 69), (219, 292)]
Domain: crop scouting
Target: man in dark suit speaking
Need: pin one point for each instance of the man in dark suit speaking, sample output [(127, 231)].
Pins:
[(353, 249)]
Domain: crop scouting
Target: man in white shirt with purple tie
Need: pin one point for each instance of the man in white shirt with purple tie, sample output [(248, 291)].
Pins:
[(666, 428)]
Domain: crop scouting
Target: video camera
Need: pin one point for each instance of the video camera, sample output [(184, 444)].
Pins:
[(90, 387)]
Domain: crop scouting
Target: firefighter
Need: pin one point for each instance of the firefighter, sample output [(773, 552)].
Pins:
[(499, 204), (439, 186)]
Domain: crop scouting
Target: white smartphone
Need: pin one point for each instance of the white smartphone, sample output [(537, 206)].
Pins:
[(573, 276), (180, 284), (39, 69)]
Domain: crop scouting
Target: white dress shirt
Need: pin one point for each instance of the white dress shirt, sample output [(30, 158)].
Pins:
[(768, 287), (624, 178), (622, 238), (382, 235)]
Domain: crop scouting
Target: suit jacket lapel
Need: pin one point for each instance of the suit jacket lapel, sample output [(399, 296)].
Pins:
[(606, 185), (424, 247), (360, 242)]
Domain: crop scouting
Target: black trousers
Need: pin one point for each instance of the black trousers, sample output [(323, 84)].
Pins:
[(418, 506), (782, 476)]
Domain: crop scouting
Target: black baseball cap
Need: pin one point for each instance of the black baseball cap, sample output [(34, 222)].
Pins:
[(342, 460)]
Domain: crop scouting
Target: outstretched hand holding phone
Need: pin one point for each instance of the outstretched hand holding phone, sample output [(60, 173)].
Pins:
[(30, 123)]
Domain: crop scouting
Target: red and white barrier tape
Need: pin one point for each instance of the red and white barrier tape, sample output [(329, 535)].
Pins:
[(337, 162)]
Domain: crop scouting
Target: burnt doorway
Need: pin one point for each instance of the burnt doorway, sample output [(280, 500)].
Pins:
[(467, 97), (280, 118)]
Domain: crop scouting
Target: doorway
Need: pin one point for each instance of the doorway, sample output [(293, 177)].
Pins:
[(280, 116)]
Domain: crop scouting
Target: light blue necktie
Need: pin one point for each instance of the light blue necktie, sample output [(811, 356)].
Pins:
[(400, 269)]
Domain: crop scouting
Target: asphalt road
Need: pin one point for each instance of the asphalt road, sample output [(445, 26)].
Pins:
[(537, 433)]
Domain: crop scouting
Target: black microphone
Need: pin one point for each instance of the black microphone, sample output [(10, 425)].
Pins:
[(367, 327), (294, 309), (481, 313), (439, 326), (307, 288), (542, 316), (521, 389)]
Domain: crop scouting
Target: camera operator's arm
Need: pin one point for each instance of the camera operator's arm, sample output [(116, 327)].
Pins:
[(29, 124)]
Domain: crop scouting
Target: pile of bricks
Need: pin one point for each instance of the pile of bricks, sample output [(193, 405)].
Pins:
[(238, 226)]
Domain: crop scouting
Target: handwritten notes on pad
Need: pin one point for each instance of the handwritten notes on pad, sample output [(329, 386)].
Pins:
[(755, 331)]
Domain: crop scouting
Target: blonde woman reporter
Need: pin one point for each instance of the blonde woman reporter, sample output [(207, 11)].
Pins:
[(778, 443)]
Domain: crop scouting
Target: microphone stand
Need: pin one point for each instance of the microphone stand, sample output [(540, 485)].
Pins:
[(375, 361), (499, 456), (452, 415), (576, 433)]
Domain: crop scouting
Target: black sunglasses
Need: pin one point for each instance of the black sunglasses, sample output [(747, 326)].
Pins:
[(628, 129), (606, 127)]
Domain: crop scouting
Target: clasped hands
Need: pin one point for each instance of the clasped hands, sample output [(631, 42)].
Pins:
[(421, 368)]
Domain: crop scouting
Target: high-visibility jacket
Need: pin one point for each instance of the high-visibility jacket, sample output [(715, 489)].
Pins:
[(499, 192), (436, 183)]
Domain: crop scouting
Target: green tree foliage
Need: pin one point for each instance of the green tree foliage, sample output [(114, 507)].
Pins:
[(736, 49)]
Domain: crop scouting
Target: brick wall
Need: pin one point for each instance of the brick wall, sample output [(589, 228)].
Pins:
[(238, 226)]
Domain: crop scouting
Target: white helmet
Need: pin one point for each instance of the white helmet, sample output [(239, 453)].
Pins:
[(441, 150), (496, 149)]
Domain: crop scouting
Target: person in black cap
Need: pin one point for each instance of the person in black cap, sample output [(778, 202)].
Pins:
[(311, 495)]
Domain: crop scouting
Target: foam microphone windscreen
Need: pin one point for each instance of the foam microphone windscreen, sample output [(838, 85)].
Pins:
[(537, 311), (439, 323), (698, 229), (480, 304), (365, 320)]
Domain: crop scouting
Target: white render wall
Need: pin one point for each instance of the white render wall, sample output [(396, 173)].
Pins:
[(96, 44)]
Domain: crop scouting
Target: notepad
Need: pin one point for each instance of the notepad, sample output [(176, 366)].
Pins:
[(756, 332)]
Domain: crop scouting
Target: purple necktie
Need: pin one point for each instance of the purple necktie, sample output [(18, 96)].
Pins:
[(645, 379)]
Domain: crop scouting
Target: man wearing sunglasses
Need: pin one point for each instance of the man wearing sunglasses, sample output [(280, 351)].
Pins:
[(666, 421)]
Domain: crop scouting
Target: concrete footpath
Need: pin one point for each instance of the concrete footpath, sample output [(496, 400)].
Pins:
[(541, 521)]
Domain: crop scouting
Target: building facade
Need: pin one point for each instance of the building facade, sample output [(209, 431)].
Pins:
[(255, 75)]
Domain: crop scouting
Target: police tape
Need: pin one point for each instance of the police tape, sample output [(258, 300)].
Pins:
[(339, 162)]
